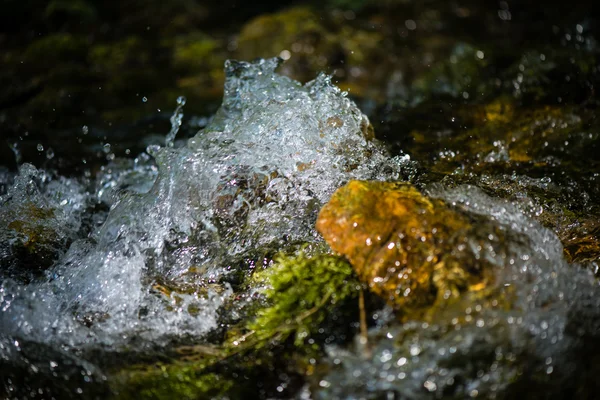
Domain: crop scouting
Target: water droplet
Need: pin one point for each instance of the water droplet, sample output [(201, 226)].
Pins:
[(285, 54), (153, 149), (144, 99), (429, 385), (176, 121), (40, 147)]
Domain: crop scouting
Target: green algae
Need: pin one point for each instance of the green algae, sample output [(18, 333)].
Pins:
[(296, 300)]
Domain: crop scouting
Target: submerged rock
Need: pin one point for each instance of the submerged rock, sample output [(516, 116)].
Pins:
[(39, 217)]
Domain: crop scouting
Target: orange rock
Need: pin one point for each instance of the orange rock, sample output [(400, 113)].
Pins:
[(411, 250)]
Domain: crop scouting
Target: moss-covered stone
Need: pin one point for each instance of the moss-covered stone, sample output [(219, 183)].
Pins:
[(411, 250), (541, 157), (294, 300), (315, 42)]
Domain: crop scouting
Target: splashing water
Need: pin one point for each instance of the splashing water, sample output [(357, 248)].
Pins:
[(157, 267), (176, 120)]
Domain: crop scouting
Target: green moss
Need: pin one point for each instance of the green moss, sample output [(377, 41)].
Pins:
[(301, 291), (196, 50), (176, 380), (110, 57), (298, 295)]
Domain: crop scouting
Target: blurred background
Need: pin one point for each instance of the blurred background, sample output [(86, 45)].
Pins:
[(83, 81)]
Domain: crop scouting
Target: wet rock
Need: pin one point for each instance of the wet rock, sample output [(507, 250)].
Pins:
[(34, 227), (541, 157), (34, 245), (413, 251), (315, 42), (526, 331)]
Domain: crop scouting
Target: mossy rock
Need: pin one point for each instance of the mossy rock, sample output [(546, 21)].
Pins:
[(461, 75), (413, 251), (545, 154), (317, 42), (297, 304)]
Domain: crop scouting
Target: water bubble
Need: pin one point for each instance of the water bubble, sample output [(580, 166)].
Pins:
[(144, 99), (40, 147)]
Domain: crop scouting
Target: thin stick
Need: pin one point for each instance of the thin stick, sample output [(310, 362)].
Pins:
[(363, 318)]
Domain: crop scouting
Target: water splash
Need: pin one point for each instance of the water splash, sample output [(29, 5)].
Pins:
[(251, 182), (176, 120)]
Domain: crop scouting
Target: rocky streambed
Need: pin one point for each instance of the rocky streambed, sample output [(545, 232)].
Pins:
[(432, 233)]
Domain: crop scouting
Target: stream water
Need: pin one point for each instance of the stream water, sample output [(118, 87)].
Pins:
[(119, 264)]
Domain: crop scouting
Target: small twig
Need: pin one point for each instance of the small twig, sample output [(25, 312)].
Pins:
[(364, 339)]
